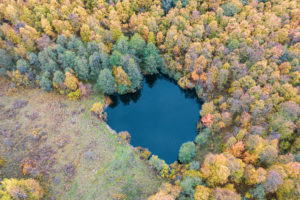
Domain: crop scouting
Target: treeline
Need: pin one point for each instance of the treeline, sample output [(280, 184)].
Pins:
[(241, 57), (68, 63)]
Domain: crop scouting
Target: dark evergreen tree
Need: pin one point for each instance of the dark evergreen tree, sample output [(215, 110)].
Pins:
[(187, 152), (95, 65), (122, 45), (45, 82), (137, 44), (5, 60), (81, 68), (152, 59), (106, 82), (22, 66), (134, 74), (58, 77), (115, 58)]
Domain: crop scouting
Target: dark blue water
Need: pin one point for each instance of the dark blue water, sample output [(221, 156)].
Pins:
[(160, 117)]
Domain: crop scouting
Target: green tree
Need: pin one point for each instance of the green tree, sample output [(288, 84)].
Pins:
[(134, 74), (202, 137), (5, 60), (22, 66), (106, 82), (58, 78), (137, 44), (45, 83), (188, 186), (230, 9), (33, 60), (81, 68), (233, 44), (115, 58), (152, 59), (122, 45), (95, 65), (67, 59), (187, 152)]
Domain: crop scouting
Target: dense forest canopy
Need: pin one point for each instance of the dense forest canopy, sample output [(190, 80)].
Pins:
[(241, 57)]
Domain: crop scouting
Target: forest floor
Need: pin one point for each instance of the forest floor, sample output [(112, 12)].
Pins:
[(78, 156)]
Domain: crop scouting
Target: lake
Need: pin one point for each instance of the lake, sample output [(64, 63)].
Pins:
[(160, 116)]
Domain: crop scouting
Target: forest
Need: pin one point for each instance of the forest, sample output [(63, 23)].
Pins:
[(241, 57)]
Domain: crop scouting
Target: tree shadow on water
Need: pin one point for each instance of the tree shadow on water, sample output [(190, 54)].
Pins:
[(125, 99), (151, 79)]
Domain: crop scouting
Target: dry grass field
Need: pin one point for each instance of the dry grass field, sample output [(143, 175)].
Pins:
[(72, 153)]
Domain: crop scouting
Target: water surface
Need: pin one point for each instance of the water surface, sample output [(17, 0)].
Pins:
[(160, 116)]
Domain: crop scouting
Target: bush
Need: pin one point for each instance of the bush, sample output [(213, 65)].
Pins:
[(187, 152), (20, 189), (75, 95)]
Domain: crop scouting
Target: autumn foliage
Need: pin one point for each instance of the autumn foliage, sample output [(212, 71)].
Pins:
[(241, 57)]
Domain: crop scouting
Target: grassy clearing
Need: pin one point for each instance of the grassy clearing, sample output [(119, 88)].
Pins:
[(79, 157)]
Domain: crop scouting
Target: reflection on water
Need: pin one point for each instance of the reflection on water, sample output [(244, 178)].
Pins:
[(160, 116)]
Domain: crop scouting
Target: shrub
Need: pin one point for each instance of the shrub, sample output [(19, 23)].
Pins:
[(75, 95), (71, 81), (20, 189), (187, 152)]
